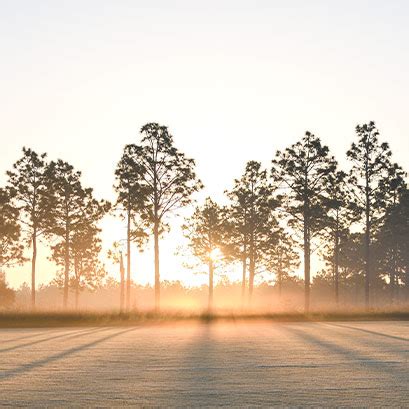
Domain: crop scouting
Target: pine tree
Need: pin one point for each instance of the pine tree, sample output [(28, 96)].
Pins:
[(371, 175), (28, 178), (115, 254), (302, 170), (11, 249), (86, 270), (237, 227), (205, 231), (170, 180), (391, 244), (252, 206), (282, 259), (131, 201), (74, 210), (352, 261), (341, 213)]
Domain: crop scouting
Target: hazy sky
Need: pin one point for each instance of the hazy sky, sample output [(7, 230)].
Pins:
[(233, 80)]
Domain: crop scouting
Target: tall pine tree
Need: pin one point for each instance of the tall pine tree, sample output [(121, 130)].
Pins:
[(74, 209), (29, 178), (341, 213), (11, 249), (282, 258), (371, 175), (205, 231), (302, 170), (131, 202), (251, 213), (170, 179)]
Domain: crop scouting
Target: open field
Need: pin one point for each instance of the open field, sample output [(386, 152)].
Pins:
[(207, 363)]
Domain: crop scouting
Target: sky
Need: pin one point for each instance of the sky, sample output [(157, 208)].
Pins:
[(233, 80)]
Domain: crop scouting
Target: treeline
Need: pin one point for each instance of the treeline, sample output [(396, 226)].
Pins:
[(177, 297), (356, 220)]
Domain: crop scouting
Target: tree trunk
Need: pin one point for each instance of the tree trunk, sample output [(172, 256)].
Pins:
[(77, 281), (128, 262), (251, 281), (33, 270), (244, 273), (307, 248), (394, 276), (210, 305), (367, 260), (77, 295), (407, 284), (66, 267), (157, 276), (280, 277), (392, 285), (336, 267), (122, 284), (252, 266), (367, 237), (307, 265)]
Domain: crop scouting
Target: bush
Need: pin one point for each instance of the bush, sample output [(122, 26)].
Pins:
[(7, 295)]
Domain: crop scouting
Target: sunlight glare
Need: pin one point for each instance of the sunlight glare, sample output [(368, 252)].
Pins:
[(216, 254)]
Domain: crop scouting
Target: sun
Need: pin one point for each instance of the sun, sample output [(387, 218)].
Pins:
[(216, 254)]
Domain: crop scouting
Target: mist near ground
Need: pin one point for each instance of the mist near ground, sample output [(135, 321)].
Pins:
[(175, 297)]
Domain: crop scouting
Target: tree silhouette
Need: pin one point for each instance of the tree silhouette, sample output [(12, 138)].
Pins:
[(352, 260), (205, 231), (302, 171), (7, 295), (170, 180), (306, 203), (282, 259), (74, 210), (115, 254), (341, 213), (11, 250), (28, 178), (87, 271), (391, 244), (374, 180), (131, 201), (237, 231), (255, 220)]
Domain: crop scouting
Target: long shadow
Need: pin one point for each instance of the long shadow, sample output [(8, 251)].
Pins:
[(352, 355), (42, 362), (202, 386), (381, 334), (65, 335), (35, 335)]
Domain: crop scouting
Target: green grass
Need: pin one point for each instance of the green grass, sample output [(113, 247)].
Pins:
[(21, 319)]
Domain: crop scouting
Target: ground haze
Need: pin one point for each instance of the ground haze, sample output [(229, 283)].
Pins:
[(219, 363)]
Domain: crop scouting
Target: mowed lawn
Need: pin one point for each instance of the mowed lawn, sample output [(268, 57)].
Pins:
[(207, 364)]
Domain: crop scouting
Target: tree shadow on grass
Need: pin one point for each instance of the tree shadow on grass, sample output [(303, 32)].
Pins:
[(380, 334), (39, 341), (61, 355), (35, 335), (352, 356)]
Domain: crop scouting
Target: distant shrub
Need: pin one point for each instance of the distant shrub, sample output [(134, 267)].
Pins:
[(7, 295)]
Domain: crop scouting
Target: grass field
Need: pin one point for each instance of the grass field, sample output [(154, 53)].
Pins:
[(86, 318), (196, 363)]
